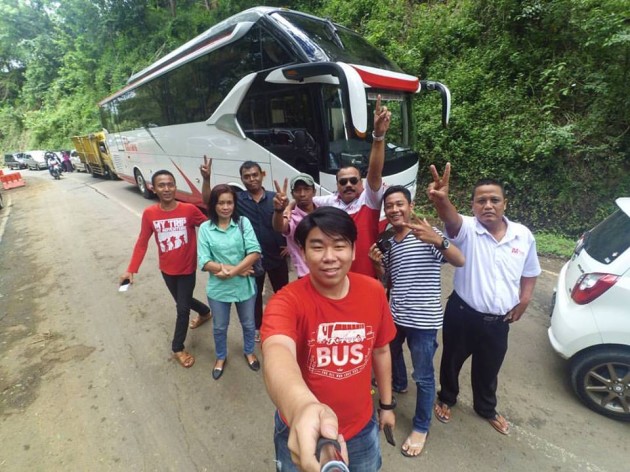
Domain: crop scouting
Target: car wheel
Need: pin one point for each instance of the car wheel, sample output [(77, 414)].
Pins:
[(142, 185), (1, 202), (601, 379)]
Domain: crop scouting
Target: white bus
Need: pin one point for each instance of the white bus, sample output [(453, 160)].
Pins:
[(290, 91), (341, 332)]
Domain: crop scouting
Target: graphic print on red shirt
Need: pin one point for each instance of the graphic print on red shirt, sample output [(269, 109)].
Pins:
[(171, 233)]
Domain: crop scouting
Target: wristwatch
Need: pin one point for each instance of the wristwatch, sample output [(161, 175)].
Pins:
[(445, 244), (391, 406)]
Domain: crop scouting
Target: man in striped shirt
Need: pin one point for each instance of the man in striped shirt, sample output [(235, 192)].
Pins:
[(411, 261)]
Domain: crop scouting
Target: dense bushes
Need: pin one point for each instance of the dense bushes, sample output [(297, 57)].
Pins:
[(539, 86)]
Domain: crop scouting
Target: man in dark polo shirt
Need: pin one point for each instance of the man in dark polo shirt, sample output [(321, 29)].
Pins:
[(256, 204)]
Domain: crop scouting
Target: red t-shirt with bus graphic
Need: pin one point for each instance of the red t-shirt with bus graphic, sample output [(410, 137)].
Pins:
[(335, 340)]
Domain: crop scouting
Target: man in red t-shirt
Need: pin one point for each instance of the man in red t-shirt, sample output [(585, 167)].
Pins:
[(173, 224), (322, 336)]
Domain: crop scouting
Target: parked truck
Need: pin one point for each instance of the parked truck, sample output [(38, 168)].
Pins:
[(93, 152)]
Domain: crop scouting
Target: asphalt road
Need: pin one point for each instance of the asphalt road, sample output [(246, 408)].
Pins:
[(87, 381)]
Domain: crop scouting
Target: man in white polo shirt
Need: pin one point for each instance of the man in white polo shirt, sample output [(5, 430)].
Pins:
[(491, 291)]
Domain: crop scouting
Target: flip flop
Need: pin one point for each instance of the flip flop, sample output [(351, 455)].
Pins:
[(410, 445), (500, 424), (184, 359), (199, 320), (442, 412)]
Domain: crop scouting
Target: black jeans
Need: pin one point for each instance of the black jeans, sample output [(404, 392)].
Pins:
[(278, 277), (182, 287), (468, 333)]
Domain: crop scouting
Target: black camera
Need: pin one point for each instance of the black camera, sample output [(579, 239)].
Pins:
[(383, 245)]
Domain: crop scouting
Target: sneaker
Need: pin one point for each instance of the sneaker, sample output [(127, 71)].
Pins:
[(257, 336)]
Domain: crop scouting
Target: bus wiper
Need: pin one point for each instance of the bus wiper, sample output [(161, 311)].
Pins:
[(154, 139), (331, 29)]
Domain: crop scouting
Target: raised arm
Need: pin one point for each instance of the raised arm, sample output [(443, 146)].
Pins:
[(205, 170), (382, 118), (438, 194), (308, 419)]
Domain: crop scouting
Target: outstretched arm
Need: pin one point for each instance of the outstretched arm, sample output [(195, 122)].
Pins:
[(423, 231), (438, 194), (382, 118), (308, 419)]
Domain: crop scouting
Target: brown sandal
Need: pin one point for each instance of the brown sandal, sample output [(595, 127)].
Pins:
[(442, 412), (199, 320), (184, 359), (500, 424)]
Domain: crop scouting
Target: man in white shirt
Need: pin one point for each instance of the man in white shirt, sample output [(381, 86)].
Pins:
[(491, 291)]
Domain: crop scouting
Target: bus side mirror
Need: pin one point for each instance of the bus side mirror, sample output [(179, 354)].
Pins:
[(446, 97)]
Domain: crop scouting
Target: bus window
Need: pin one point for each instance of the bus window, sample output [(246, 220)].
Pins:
[(347, 149)]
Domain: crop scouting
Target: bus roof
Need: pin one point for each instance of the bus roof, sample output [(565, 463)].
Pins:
[(331, 42)]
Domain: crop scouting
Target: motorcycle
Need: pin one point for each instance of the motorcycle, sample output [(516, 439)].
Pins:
[(55, 169)]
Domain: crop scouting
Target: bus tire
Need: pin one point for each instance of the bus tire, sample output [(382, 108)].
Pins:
[(142, 185)]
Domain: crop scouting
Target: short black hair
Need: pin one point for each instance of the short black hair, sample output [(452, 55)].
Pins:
[(397, 189), (331, 221), (216, 192), (248, 165), (347, 167), (162, 172), (487, 181)]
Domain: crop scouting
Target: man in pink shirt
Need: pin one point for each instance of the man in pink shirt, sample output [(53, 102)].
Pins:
[(302, 191)]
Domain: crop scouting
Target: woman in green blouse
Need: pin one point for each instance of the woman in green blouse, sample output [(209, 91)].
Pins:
[(227, 248)]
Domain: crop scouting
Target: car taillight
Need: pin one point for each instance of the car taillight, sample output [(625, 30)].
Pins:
[(590, 286)]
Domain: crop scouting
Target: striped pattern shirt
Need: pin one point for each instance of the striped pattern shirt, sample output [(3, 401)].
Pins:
[(413, 267)]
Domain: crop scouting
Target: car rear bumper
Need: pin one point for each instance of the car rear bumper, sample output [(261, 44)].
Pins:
[(573, 326)]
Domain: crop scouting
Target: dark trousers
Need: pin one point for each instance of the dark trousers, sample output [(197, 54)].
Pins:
[(468, 333), (182, 287), (278, 277)]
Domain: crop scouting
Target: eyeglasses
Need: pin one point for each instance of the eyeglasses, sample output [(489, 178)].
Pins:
[(352, 180)]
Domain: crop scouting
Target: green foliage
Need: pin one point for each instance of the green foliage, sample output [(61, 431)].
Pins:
[(550, 244), (539, 87)]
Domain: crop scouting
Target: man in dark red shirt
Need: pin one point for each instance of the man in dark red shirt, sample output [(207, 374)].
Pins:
[(173, 224)]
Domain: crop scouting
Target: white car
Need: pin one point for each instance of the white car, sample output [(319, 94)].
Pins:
[(590, 321), (36, 160), (77, 164)]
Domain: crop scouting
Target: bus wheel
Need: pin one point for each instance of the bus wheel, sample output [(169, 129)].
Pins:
[(142, 185)]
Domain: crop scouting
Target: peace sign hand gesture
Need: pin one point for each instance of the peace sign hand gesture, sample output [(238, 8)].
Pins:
[(280, 199), (205, 168), (438, 189)]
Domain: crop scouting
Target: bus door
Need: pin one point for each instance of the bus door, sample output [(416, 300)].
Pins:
[(285, 121), (347, 119)]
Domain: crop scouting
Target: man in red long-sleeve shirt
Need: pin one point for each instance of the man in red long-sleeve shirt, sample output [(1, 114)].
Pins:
[(173, 224)]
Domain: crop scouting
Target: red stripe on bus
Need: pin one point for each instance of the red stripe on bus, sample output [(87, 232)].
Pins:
[(386, 82)]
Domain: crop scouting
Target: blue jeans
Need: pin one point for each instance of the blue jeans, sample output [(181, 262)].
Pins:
[(364, 449), (221, 321), (422, 346)]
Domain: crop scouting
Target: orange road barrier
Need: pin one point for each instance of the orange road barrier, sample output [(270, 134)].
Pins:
[(10, 181)]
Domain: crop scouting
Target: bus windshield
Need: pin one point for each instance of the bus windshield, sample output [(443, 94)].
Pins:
[(345, 149), (321, 40)]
